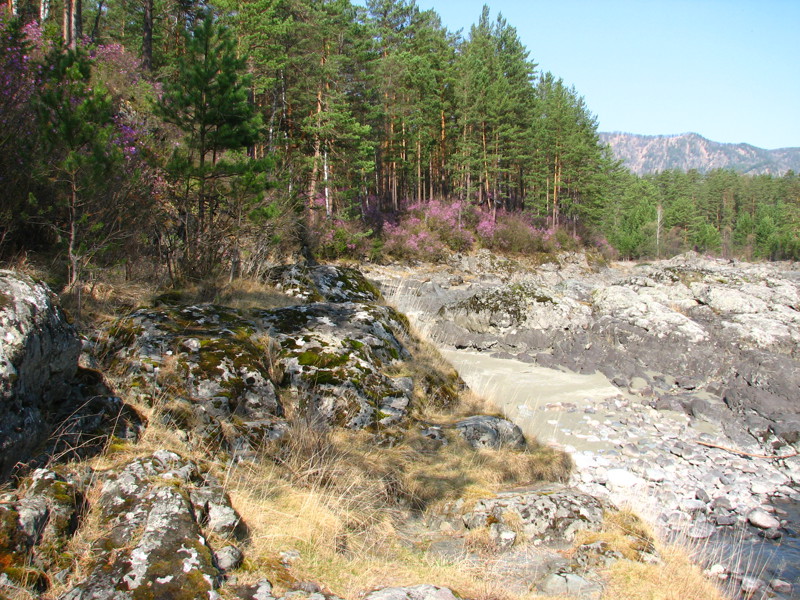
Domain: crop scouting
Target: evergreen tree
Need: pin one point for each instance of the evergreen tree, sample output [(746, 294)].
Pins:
[(79, 153), (208, 102)]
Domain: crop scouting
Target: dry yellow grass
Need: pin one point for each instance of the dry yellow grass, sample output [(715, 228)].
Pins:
[(673, 577), (676, 578)]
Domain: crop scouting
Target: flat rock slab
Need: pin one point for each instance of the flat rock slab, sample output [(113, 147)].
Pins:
[(157, 545)]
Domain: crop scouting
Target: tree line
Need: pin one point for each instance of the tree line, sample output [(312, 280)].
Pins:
[(198, 137)]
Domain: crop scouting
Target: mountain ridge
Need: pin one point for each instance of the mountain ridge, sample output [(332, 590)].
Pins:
[(643, 154)]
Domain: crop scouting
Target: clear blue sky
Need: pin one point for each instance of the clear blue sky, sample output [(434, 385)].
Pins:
[(726, 69)]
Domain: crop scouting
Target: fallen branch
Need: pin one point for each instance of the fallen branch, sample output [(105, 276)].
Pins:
[(734, 451)]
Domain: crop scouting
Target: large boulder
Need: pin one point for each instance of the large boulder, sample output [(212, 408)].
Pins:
[(48, 405), (486, 431), (547, 514), (38, 362), (335, 356), (222, 375), (323, 283), (36, 522), (413, 592)]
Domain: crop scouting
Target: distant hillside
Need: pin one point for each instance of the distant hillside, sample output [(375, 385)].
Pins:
[(654, 153)]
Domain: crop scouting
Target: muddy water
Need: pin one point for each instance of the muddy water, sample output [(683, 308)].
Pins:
[(548, 404), (557, 408)]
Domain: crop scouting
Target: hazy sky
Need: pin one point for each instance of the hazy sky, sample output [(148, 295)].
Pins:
[(726, 69)]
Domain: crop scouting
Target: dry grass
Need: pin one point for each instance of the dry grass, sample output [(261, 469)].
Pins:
[(676, 578), (338, 499), (624, 532), (239, 293)]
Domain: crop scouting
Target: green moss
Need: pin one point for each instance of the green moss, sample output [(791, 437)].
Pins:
[(326, 377), (170, 297), (323, 360), (125, 332), (27, 577), (5, 300)]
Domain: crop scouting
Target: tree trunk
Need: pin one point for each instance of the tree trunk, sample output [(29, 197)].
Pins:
[(147, 36), (328, 209), (419, 169), (312, 184), (67, 23), (73, 219), (76, 24), (44, 11)]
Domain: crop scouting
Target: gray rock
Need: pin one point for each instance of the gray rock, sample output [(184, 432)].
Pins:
[(550, 513), (484, 431), (38, 363), (570, 584), (781, 586), (415, 592), (622, 479), (328, 283), (154, 541), (751, 585), (228, 558), (758, 517), (502, 536)]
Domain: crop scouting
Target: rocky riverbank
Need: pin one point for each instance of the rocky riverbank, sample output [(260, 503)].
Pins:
[(294, 449), (699, 422)]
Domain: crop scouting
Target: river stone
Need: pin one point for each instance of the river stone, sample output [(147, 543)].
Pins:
[(621, 479), (751, 585), (762, 519), (484, 431)]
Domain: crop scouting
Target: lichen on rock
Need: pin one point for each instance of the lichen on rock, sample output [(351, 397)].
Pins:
[(156, 544)]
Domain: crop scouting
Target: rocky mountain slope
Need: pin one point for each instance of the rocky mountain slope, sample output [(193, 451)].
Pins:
[(655, 153)]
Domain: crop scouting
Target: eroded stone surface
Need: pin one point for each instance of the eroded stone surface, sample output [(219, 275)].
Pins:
[(484, 431), (157, 546), (545, 514), (49, 407), (38, 361)]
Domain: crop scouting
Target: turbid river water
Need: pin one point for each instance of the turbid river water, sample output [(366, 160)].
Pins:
[(589, 417), (546, 403)]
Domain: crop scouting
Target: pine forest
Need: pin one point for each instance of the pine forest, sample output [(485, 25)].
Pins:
[(191, 139)]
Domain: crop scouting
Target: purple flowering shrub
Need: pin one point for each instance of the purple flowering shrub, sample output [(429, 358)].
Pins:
[(429, 231), (515, 233)]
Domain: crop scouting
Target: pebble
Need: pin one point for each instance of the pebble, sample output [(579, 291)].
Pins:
[(621, 478), (781, 586), (750, 585)]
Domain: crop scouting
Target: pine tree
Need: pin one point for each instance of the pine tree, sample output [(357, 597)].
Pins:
[(79, 153), (208, 102)]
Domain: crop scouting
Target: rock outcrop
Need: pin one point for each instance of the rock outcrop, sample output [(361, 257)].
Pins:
[(230, 373), (158, 514), (48, 405)]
